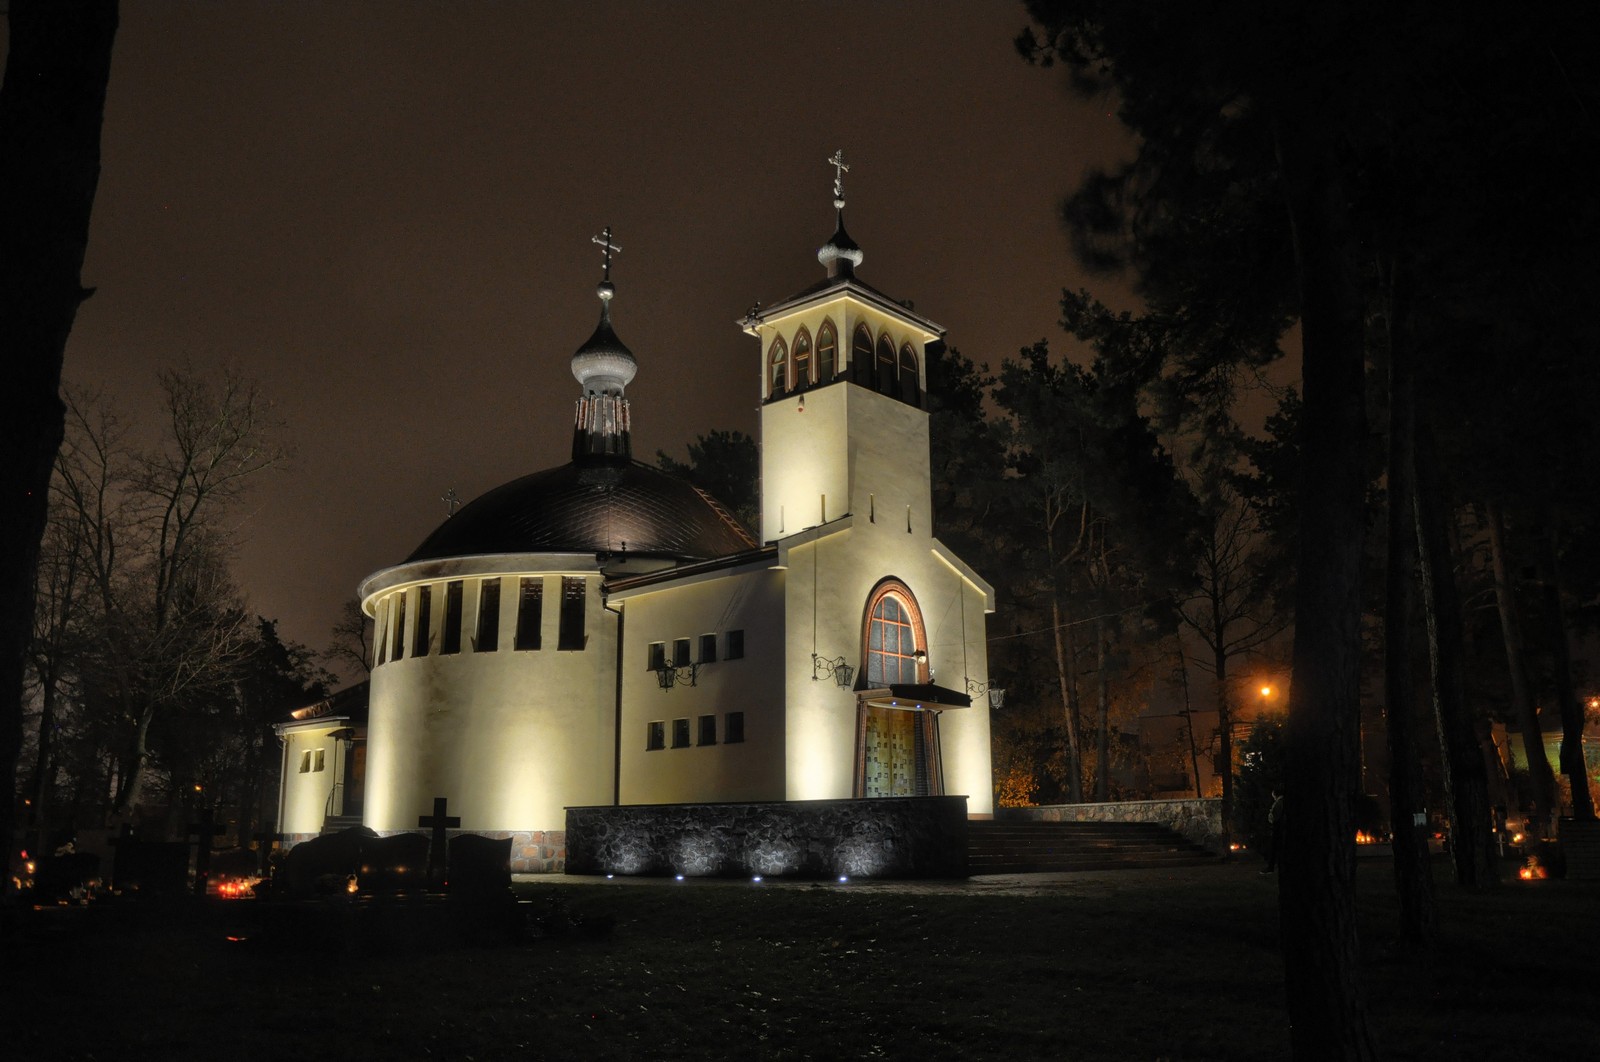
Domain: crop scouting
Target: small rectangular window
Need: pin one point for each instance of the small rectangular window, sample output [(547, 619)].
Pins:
[(530, 612), (316, 760), (735, 645), (573, 594), (398, 651), (680, 733), (450, 637), (708, 730), (658, 656), (656, 737), (305, 763), (733, 728), (680, 652), (423, 641), (708, 648), (488, 639)]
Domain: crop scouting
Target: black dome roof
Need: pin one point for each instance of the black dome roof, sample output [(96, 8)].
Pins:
[(592, 505)]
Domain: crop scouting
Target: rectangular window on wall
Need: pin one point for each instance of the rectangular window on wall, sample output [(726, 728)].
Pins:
[(708, 730), (657, 656), (530, 612), (398, 650), (450, 637), (317, 761), (680, 652), (421, 644), (305, 763), (735, 645), (488, 639), (572, 600), (656, 736), (680, 733), (733, 728), (708, 648)]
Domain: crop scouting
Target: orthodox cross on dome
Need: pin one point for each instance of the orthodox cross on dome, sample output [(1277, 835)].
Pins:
[(452, 501), (604, 240), (839, 170)]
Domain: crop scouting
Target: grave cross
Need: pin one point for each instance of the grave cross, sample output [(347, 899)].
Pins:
[(206, 828), (439, 822), (604, 240)]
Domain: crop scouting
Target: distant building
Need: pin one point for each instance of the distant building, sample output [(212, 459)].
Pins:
[(601, 632)]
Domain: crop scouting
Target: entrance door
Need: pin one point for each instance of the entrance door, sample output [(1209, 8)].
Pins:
[(897, 756)]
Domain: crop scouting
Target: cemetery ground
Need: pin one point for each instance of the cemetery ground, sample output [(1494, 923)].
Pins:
[(1171, 964)]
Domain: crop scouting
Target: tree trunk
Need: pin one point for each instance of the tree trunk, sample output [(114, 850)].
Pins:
[(1327, 1015), (1466, 779), (51, 105), (1069, 701), (1572, 764), (1102, 751), (1419, 916), (1540, 776), (1219, 662), (1188, 723), (133, 780)]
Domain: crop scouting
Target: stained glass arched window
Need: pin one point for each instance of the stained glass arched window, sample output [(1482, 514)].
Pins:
[(861, 356), (778, 368), (827, 352), (893, 627), (802, 358), (910, 389), (886, 365)]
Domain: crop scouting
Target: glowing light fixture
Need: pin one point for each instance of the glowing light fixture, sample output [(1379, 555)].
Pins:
[(996, 694), (668, 676)]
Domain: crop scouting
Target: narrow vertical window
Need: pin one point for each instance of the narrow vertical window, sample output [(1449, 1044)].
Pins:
[(861, 356), (910, 388), (450, 637), (573, 593), (397, 650), (885, 382), (530, 612), (488, 639), (778, 368), (655, 736), (680, 733), (735, 645), (802, 359), (423, 641), (657, 656), (708, 730), (380, 633), (733, 731), (318, 763), (305, 763), (708, 648), (680, 652), (827, 352)]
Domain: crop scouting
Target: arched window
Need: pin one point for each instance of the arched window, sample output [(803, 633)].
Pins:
[(894, 635), (861, 356), (886, 365), (827, 352), (802, 358), (778, 368), (910, 389)]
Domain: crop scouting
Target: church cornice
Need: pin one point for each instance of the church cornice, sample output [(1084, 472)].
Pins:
[(844, 288)]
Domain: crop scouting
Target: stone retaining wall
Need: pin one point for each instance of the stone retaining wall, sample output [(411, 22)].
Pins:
[(1198, 820), (911, 837)]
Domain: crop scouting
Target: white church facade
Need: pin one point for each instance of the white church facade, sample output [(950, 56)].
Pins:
[(602, 633)]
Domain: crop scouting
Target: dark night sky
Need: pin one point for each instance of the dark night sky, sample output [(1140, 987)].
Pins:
[(382, 211)]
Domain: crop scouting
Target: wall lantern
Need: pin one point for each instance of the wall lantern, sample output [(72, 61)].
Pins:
[(668, 676), (843, 674), (997, 694)]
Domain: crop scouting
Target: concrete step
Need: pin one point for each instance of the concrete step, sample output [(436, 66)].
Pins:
[(1044, 847)]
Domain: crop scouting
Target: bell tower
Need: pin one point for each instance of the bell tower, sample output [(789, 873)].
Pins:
[(844, 423)]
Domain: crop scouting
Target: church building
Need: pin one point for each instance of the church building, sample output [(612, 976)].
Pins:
[(603, 633)]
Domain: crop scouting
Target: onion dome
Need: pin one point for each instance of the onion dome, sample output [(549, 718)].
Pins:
[(604, 364)]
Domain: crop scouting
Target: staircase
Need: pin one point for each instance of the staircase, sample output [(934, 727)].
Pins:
[(1001, 847), (336, 823)]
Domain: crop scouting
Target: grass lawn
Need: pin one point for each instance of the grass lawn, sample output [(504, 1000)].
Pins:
[(1176, 964)]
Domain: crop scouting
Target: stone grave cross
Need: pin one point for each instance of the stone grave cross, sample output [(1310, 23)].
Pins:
[(206, 828), (439, 822)]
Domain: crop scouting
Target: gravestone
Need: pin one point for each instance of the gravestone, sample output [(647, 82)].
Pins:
[(322, 864), (203, 831), (394, 864)]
